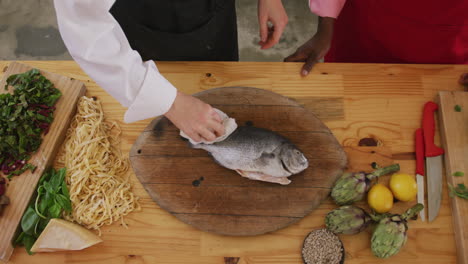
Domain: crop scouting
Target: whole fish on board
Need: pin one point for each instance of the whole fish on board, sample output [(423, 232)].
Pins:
[(258, 154)]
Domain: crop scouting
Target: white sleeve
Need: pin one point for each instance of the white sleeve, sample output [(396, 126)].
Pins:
[(98, 44)]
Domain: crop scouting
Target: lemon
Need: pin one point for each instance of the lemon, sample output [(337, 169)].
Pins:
[(380, 198), (403, 186)]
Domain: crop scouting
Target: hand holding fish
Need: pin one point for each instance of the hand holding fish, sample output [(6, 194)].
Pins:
[(196, 118)]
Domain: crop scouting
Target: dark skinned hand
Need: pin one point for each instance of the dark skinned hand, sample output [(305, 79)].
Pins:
[(315, 48)]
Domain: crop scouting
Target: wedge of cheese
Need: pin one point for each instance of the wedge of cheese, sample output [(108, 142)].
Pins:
[(61, 235)]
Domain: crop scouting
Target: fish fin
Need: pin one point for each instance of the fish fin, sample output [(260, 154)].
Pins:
[(215, 160), (253, 175)]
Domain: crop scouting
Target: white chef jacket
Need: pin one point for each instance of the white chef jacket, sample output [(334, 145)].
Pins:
[(98, 44)]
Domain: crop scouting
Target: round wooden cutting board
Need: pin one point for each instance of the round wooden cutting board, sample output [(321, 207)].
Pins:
[(190, 185)]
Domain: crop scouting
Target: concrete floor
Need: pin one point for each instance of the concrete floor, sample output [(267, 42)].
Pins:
[(28, 31)]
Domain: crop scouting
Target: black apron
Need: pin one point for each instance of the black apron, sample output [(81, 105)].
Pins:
[(180, 30)]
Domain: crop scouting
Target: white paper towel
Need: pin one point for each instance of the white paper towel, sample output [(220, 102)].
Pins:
[(229, 126)]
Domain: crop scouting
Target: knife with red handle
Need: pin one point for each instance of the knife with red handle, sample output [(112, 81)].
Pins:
[(433, 156), (419, 139)]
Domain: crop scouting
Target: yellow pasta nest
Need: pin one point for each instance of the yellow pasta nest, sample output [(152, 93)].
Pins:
[(96, 169)]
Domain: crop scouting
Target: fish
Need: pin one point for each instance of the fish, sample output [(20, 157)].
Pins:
[(258, 154)]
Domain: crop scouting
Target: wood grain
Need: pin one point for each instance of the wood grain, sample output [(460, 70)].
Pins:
[(156, 236), (454, 127), (21, 188), (189, 184)]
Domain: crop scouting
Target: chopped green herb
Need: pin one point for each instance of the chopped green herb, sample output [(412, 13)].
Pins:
[(53, 199), (25, 115), (458, 108), (459, 174), (460, 191)]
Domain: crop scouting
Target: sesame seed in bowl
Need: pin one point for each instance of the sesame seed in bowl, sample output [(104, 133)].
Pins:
[(322, 246)]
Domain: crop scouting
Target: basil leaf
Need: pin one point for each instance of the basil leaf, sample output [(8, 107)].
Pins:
[(49, 200), (64, 202), (19, 240), (43, 204), (42, 224), (49, 187), (57, 180), (55, 210), (28, 242), (458, 174), (65, 189), (29, 221)]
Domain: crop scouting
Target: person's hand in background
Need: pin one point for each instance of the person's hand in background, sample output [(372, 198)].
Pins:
[(271, 11), (315, 48), (195, 118), (464, 80)]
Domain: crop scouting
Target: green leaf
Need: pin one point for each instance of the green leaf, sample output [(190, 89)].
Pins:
[(55, 210), (65, 190), (45, 177), (19, 115), (64, 202), (43, 223), (49, 187), (460, 191), (50, 199), (55, 182), (30, 167), (39, 207), (28, 241), (458, 108), (42, 208), (37, 231), (29, 221), (19, 240), (59, 178), (458, 174)]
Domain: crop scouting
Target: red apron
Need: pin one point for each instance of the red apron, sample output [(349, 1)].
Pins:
[(401, 31)]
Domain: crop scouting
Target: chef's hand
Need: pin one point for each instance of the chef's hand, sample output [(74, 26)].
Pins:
[(271, 11), (315, 48), (195, 118), (464, 80)]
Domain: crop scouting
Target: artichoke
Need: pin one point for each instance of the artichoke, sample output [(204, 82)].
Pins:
[(390, 234), (347, 220), (352, 187)]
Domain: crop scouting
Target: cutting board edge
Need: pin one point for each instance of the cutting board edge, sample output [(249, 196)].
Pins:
[(457, 219)]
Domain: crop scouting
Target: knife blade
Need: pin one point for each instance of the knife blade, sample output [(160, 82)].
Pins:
[(420, 170), (433, 156)]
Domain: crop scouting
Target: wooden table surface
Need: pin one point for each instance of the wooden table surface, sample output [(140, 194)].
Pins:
[(355, 101)]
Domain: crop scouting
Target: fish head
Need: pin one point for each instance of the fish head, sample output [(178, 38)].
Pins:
[(293, 159)]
